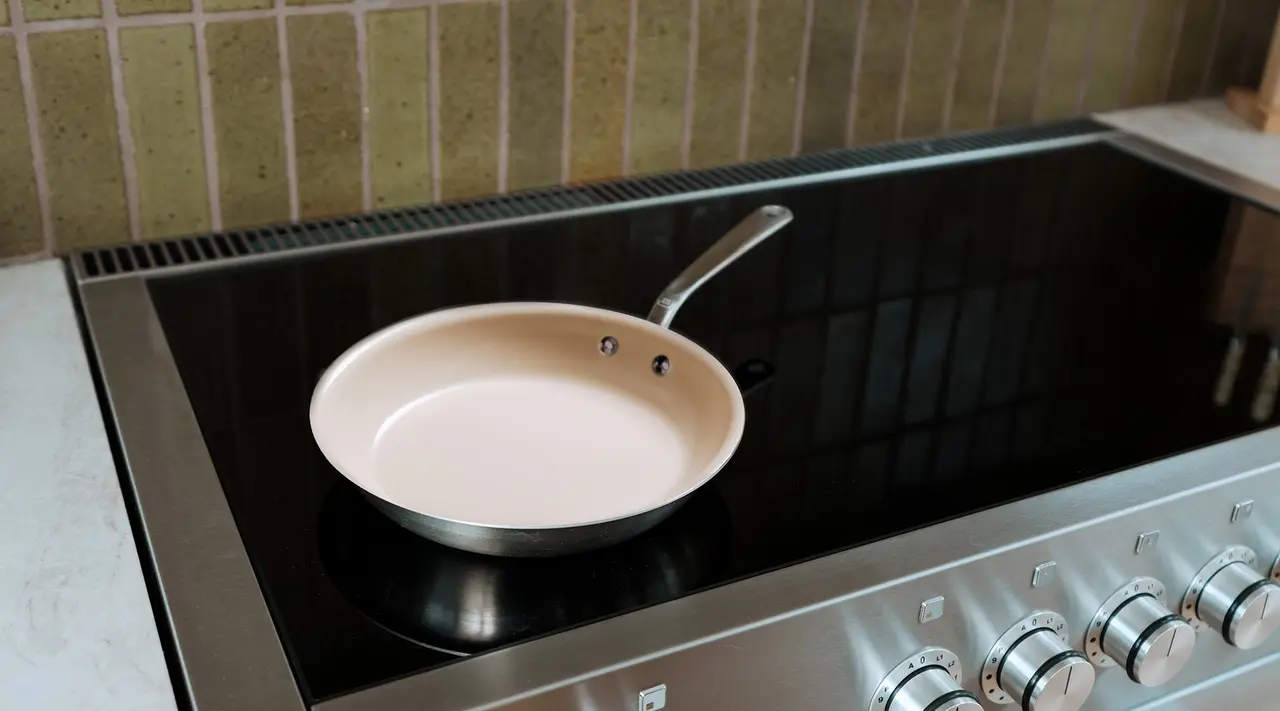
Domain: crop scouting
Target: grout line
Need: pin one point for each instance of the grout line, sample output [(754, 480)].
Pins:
[(504, 92), (1214, 38), (187, 18), (957, 50), (1091, 47), (997, 78), (802, 78), (904, 83), (1179, 20), (208, 137), (362, 73), (748, 78), (855, 74), (433, 100), (286, 108), (1135, 37), (566, 109), (124, 129), (633, 20), (1037, 103), (17, 21), (690, 84)]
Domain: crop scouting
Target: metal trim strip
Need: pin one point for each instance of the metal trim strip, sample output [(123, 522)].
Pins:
[(1234, 184)]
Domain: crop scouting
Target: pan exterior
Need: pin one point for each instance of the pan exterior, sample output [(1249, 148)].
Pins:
[(526, 542)]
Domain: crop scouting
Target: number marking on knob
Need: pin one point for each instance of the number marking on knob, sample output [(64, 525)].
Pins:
[(1242, 554), (1043, 619), (1093, 635), (927, 657)]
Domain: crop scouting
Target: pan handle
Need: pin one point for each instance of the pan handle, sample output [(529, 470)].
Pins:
[(753, 230)]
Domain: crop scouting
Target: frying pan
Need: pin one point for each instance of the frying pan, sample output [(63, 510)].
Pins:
[(536, 429)]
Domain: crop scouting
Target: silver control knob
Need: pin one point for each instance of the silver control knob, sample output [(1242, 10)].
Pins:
[(927, 681), (1134, 628), (1233, 598), (1032, 664)]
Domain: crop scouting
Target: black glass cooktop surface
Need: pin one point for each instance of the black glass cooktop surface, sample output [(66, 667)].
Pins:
[(940, 341)]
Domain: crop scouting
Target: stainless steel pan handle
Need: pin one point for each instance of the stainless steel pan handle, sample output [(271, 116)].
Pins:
[(756, 228)]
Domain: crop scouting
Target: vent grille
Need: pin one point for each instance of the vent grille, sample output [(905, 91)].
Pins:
[(209, 249)]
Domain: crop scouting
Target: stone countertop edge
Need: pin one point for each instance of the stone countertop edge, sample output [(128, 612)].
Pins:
[(1208, 130), (77, 629)]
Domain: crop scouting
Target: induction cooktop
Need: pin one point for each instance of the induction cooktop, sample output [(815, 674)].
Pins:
[(926, 343)]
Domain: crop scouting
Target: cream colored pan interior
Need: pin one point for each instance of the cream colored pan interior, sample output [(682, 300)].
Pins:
[(533, 415)]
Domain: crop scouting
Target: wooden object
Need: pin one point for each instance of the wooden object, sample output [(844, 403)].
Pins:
[(1261, 108)]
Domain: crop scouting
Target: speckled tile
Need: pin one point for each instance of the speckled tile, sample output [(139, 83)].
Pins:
[(657, 100), (399, 85), (244, 69), (884, 47), (932, 59), (37, 10), (1194, 44), (144, 7), (20, 231), (826, 96), (979, 54), (598, 109), (1111, 41), (468, 37), (78, 132), (326, 113), (774, 82), (717, 102), (1151, 59), (159, 66), (1023, 55), (230, 5), (536, 96), (1068, 47)]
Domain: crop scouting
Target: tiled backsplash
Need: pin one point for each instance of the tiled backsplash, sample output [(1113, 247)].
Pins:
[(137, 119)]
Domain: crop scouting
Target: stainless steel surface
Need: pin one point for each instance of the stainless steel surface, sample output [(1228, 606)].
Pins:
[(1152, 643), (1064, 685), (831, 627), (932, 690), (1044, 574), (1241, 511), (754, 229), (1191, 600), (1020, 667), (653, 699), (231, 656), (1163, 653), (1245, 188), (1256, 617), (1238, 601), (903, 688), (1038, 669), (1147, 541), (1093, 634), (932, 609)]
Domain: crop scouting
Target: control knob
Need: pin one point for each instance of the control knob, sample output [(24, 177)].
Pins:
[(1033, 665), (1134, 628), (1231, 597), (929, 680)]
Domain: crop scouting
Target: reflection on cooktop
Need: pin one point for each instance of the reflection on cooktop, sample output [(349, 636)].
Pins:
[(463, 603)]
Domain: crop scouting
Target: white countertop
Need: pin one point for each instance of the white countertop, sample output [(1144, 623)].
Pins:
[(1206, 130), (76, 626)]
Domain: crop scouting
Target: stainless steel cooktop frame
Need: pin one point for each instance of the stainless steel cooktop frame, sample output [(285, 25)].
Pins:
[(774, 629)]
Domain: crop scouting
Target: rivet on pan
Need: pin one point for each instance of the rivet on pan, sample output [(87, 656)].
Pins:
[(661, 365), (608, 345)]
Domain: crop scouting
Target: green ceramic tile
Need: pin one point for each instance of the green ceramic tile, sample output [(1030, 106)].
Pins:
[(884, 46), (717, 102), (779, 43), (229, 5), (244, 68), (36, 10), (1194, 44), (657, 99), (932, 59), (979, 54), (20, 231), (1150, 75), (535, 99), (1068, 48), (1109, 64), (326, 113), (4, 14), (78, 132), (826, 94), (598, 110), (159, 65), (468, 37), (315, 2), (143, 7), (399, 82), (1023, 55)]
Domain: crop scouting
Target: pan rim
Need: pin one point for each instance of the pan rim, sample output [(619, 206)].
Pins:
[(444, 316)]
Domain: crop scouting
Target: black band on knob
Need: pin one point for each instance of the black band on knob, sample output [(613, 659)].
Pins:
[(948, 697), (1102, 636), (1044, 669), (1206, 585), (1235, 605), (1146, 634), (1008, 652), (902, 684)]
